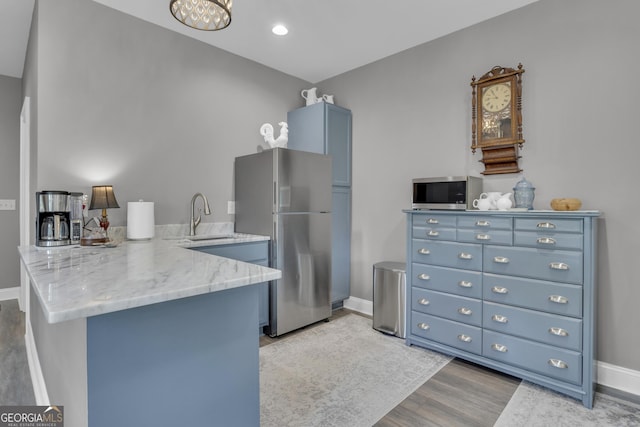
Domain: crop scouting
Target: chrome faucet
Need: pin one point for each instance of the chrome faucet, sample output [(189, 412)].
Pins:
[(195, 221)]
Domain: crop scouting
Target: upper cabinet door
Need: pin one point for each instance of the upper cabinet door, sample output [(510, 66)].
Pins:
[(324, 128), (307, 128), (338, 143)]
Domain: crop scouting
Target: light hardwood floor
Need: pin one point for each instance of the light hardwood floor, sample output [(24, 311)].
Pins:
[(15, 380), (460, 394)]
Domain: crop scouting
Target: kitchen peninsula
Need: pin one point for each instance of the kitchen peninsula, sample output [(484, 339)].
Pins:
[(147, 333)]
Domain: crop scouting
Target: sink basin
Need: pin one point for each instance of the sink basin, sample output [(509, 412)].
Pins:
[(209, 236)]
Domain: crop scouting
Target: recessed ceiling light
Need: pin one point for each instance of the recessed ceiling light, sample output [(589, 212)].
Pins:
[(279, 30)]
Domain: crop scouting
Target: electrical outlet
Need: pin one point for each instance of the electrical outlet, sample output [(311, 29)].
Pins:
[(231, 207), (7, 205)]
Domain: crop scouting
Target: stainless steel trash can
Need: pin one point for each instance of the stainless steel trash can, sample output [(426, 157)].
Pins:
[(389, 280)]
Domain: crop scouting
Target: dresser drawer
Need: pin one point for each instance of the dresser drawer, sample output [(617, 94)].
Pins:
[(565, 365), (554, 265), (544, 240), (493, 237), (448, 332), (551, 297), (452, 307), (435, 233), (549, 224), (448, 254), (485, 222), (460, 282), (547, 328), (434, 220)]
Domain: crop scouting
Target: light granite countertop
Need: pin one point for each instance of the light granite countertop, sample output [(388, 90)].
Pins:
[(73, 282)]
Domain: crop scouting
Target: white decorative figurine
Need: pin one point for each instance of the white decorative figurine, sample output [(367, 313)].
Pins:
[(266, 130)]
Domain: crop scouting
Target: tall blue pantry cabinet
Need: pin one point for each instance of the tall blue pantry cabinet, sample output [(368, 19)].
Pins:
[(326, 128)]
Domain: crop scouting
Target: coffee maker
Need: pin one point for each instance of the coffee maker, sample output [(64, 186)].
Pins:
[(53, 215)]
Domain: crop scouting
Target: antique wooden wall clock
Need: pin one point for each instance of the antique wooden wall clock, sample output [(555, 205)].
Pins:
[(496, 118)]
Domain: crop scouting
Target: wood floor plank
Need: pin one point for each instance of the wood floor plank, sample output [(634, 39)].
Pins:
[(460, 394)]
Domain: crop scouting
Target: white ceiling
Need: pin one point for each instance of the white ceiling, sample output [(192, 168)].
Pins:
[(326, 38)]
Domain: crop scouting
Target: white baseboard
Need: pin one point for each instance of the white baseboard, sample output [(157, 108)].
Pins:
[(37, 378), (617, 377), (9, 293), (360, 305)]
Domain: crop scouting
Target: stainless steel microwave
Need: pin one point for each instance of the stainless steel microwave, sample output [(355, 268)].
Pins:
[(447, 192)]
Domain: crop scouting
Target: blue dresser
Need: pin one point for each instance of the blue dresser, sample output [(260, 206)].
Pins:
[(514, 291)]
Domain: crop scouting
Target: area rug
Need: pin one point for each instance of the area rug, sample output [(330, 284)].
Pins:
[(341, 373), (532, 405)]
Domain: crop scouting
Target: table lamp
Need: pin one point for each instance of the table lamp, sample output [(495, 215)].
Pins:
[(102, 197)]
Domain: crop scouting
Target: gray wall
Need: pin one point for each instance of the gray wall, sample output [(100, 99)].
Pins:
[(412, 115), (10, 106), (156, 114)]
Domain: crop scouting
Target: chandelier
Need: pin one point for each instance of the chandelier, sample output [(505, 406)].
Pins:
[(207, 15)]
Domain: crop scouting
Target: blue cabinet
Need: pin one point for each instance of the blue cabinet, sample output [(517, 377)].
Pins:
[(341, 243), (514, 291), (326, 129), (254, 253)]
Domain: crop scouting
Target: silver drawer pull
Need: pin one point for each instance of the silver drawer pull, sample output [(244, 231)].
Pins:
[(424, 251), (465, 311), (464, 255), (483, 223), (464, 338), (499, 318), (423, 301), (546, 225), (558, 299), (501, 259), (559, 266), (558, 331), (499, 290), (483, 237), (423, 326), (557, 363), (423, 276), (433, 233), (433, 221), (499, 347), (546, 241), (465, 284)]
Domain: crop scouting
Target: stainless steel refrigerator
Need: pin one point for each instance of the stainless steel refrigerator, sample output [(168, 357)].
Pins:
[(286, 194)]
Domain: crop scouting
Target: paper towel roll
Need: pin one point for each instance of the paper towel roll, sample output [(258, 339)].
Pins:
[(140, 220)]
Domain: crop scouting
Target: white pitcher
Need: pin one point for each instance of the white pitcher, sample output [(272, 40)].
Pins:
[(328, 99), (310, 95), (482, 204), (493, 196), (504, 202)]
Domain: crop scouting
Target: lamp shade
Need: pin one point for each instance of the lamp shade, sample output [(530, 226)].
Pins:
[(102, 197), (207, 15)]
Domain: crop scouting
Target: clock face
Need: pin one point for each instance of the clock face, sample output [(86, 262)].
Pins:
[(496, 97)]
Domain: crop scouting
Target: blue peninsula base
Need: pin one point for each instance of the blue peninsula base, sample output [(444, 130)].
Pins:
[(190, 362)]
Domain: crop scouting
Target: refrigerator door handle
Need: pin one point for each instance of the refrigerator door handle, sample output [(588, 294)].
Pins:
[(275, 202)]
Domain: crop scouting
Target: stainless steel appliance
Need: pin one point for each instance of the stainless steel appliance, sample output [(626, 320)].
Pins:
[(52, 218), (389, 297), (286, 194), (75, 217), (447, 192)]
